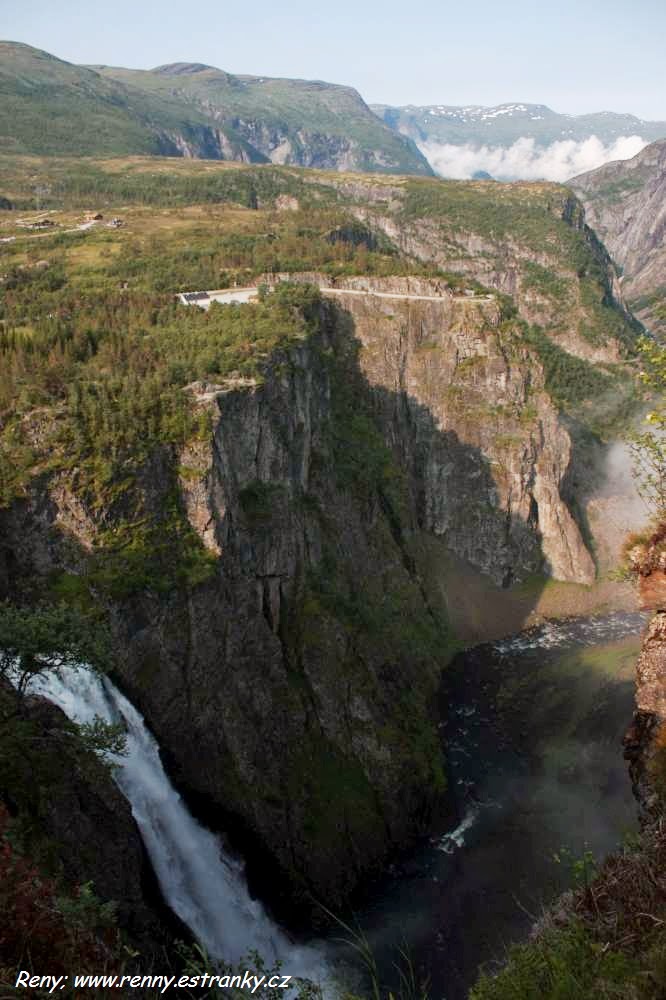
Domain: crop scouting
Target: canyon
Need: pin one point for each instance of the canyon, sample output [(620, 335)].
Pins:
[(278, 556)]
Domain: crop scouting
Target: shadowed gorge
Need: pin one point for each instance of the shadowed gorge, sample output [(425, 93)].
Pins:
[(287, 598)]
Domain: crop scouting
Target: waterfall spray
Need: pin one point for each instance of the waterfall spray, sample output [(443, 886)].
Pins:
[(200, 880)]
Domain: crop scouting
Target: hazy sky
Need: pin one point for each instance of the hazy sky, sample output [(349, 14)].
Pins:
[(574, 55)]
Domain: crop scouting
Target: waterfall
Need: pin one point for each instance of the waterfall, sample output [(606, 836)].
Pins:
[(200, 881)]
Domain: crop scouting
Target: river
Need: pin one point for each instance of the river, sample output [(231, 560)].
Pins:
[(532, 729)]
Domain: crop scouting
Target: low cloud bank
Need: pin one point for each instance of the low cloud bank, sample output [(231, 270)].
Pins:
[(524, 160)]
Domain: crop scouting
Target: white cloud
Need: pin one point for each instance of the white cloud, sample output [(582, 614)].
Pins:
[(524, 160)]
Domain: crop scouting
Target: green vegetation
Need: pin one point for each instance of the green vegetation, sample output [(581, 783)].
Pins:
[(652, 307), (618, 189), (258, 502), (547, 282), (607, 943), (157, 182), (565, 964), (547, 220), (335, 788), (602, 397), (48, 106), (411, 985), (47, 925), (40, 640), (644, 552), (530, 213), (35, 643), (649, 445), (99, 379)]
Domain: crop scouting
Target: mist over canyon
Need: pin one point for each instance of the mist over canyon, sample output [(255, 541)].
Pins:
[(525, 160), (518, 141)]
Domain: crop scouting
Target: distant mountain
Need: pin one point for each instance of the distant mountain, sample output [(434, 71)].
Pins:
[(48, 106), (506, 123), (625, 202)]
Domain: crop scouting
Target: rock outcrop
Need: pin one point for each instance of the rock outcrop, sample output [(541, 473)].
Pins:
[(644, 741), (464, 405), (641, 739)]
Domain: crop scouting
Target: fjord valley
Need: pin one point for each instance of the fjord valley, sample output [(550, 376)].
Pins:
[(273, 526)]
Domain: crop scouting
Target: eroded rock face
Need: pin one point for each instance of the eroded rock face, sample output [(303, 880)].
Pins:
[(290, 692), (467, 409), (208, 143), (507, 265), (464, 406), (651, 669)]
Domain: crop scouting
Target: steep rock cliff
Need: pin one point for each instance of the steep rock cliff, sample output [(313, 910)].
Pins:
[(290, 690), (463, 404), (549, 283)]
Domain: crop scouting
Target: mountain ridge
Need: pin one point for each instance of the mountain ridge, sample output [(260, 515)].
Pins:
[(505, 123), (189, 109)]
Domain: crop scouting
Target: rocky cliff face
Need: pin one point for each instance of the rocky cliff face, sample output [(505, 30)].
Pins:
[(206, 142), (641, 739), (625, 203), (463, 404), (290, 691), (644, 741), (543, 280)]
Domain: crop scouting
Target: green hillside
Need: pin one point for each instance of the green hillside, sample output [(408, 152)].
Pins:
[(51, 107), (308, 116)]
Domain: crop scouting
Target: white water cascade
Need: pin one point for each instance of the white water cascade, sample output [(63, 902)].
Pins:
[(200, 881)]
